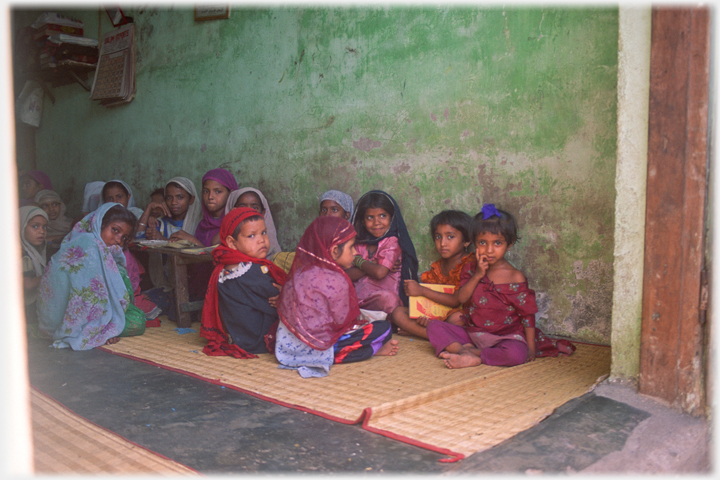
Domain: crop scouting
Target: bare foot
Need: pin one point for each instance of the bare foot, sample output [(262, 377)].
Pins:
[(112, 340), (460, 360), (403, 333), (391, 347)]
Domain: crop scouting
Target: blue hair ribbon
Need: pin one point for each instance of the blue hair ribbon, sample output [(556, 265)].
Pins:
[(489, 210)]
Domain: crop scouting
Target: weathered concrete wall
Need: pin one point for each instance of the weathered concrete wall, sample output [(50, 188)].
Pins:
[(631, 183), (442, 107)]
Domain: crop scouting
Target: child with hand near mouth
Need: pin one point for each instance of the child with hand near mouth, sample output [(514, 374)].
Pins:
[(499, 322)]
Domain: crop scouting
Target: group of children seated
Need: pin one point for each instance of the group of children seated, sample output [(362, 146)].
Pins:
[(338, 297)]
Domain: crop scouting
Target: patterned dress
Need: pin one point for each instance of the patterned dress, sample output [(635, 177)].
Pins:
[(495, 315), (495, 320), (504, 311), (85, 297)]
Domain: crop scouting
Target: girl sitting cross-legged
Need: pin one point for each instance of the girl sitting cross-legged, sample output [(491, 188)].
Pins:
[(451, 232), (320, 321)]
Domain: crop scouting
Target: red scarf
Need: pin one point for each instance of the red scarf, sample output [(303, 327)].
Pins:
[(211, 325)]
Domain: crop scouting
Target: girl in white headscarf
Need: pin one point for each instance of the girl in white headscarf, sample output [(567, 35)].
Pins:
[(120, 192), (253, 198), (182, 210), (33, 225), (58, 224)]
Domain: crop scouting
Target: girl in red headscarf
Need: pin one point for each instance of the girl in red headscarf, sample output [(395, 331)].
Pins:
[(320, 321), (239, 315)]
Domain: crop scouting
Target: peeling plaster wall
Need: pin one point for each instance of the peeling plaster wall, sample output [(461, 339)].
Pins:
[(444, 107)]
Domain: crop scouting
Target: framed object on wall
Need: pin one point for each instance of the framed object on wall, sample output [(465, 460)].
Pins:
[(117, 17), (211, 12)]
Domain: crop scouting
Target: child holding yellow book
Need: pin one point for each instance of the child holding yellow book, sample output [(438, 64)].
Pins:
[(450, 230)]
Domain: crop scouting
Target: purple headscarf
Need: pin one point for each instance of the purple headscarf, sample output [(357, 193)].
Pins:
[(209, 225), (42, 179)]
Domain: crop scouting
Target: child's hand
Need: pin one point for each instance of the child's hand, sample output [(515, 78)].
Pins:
[(423, 321), (273, 300), (397, 266), (456, 319), (412, 288), (155, 207), (182, 235), (482, 264), (151, 231)]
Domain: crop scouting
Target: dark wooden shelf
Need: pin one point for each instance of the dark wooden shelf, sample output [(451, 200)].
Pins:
[(66, 72)]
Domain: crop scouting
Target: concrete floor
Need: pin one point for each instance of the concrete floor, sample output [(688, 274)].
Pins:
[(217, 430)]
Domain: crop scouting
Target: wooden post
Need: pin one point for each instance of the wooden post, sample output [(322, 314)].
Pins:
[(672, 360)]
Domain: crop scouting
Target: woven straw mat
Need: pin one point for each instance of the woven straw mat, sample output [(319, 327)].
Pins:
[(65, 443), (412, 396)]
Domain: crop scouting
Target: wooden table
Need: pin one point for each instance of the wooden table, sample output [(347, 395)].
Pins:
[(179, 261)]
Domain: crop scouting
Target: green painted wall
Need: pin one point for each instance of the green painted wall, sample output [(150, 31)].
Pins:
[(442, 107)]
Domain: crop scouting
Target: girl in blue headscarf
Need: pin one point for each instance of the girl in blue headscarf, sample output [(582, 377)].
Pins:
[(85, 297)]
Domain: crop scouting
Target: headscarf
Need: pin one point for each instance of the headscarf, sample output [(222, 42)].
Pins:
[(62, 224), (341, 198), (82, 296), (194, 212), (42, 179), (91, 196), (37, 256), (397, 229), (318, 302), (269, 223), (131, 200), (209, 225), (211, 324)]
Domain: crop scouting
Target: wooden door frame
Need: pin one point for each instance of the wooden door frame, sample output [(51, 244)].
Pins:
[(673, 361)]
